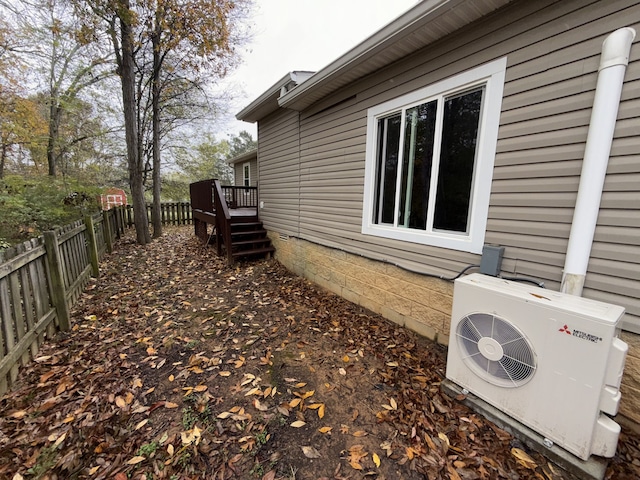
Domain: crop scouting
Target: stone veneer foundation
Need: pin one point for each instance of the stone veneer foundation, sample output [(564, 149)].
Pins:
[(418, 302)]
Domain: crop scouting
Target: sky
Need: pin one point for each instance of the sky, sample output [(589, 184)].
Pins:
[(300, 35)]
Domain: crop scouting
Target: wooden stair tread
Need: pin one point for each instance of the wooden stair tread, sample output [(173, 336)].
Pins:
[(251, 241), (249, 232), (253, 251)]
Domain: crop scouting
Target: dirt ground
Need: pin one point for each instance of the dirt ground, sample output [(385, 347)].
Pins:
[(180, 367)]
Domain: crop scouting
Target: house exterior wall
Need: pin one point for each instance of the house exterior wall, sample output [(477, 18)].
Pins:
[(238, 173), (553, 51), (279, 185)]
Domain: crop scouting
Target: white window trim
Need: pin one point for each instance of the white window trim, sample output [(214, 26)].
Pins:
[(492, 76), (246, 165)]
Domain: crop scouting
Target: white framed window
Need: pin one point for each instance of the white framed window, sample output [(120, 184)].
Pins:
[(429, 161), (246, 174)]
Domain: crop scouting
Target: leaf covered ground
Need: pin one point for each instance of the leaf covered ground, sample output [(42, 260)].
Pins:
[(180, 367)]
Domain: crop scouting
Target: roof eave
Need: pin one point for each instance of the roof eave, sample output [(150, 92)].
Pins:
[(415, 18), (244, 157), (268, 101)]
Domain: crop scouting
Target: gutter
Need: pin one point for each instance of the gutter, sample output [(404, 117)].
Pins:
[(613, 64)]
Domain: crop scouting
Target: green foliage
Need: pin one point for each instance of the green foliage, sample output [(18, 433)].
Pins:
[(148, 449), (202, 161), (47, 458), (35, 204)]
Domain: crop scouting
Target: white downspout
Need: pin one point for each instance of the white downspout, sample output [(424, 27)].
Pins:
[(613, 64)]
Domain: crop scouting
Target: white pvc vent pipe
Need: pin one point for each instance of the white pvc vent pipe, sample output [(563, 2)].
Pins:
[(613, 64)]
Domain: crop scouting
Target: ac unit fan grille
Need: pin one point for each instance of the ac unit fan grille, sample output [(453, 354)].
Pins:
[(496, 350)]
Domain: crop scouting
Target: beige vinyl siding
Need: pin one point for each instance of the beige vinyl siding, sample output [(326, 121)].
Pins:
[(239, 173), (553, 51), (278, 154)]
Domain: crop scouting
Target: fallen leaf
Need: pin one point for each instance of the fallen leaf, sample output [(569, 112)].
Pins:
[(453, 475), (270, 475), (170, 405), (524, 459), (298, 424), (141, 424), (310, 452), (60, 439), (325, 429), (444, 439), (376, 459), (393, 403), (360, 433), (93, 470), (135, 460), (225, 373)]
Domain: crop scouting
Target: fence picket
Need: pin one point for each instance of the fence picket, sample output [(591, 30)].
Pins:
[(27, 300), (41, 279), (6, 330)]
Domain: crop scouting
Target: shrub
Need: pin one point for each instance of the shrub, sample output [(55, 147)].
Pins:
[(32, 205)]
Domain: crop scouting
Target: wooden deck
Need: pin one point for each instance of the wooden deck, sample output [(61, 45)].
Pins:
[(232, 213)]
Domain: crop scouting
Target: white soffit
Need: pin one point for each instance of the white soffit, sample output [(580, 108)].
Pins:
[(424, 24)]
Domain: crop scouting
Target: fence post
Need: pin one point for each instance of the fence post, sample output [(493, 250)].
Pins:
[(180, 213), (92, 246), (129, 216), (58, 293), (106, 221)]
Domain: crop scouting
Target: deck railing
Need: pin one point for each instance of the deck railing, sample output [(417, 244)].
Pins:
[(241, 197), (202, 195), (223, 220)]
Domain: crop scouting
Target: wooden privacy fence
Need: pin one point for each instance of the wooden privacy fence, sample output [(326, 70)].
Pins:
[(41, 279), (173, 213)]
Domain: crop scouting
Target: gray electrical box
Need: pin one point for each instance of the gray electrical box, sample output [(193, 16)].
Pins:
[(491, 262)]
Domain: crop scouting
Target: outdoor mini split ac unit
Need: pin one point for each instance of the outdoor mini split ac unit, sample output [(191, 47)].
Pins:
[(549, 360)]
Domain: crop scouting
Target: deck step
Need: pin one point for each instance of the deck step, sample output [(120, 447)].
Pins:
[(254, 251), (244, 233), (250, 242)]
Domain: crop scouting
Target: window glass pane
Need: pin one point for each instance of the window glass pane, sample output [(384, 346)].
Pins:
[(388, 144), (457, 159), (416, 165)]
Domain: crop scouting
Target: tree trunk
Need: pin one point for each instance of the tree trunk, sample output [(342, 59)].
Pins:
[(3, 158), (54, 130), (134, 162), (155, 109)]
